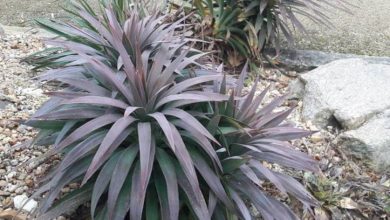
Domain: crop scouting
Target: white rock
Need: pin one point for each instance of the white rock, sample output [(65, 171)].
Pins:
[(11, 174), (32, 92), (28, 207), (11, 188)]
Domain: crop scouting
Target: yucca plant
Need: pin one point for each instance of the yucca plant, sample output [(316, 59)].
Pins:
[(222, 25), (248, 26), (149, 135), (252, 138)]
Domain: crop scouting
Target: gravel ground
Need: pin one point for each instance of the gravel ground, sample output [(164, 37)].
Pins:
[(20, 96), (365, 32)]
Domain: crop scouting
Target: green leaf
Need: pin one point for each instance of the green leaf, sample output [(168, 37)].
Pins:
[(233, 163), (152, 211), (168, 170), (119, 176), (103, 180), (123, 203), (70, 202)]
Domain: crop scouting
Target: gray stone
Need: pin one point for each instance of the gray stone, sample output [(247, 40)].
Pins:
[(296, 89), (372, 140), (355, 95), (350, 91)]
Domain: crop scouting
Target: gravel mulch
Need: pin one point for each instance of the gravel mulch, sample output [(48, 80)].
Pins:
[(20, 96)]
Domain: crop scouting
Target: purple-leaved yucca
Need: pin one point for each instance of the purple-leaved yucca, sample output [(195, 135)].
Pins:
[(150, 134)]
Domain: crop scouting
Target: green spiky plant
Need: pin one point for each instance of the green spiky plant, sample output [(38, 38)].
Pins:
[(148, 135), (246, 27)]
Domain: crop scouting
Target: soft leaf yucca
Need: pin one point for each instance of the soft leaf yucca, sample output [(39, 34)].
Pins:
[(149, 135)]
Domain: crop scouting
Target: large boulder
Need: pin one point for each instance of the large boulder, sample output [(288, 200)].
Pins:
[(349, 91), (353, 94)]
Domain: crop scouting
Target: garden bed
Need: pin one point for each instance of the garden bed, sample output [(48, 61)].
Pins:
[(346, 188)]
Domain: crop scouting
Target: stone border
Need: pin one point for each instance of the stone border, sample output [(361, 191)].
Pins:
[(310, 59)]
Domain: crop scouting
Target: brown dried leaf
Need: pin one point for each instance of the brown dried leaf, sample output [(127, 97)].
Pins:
[(10, 214)]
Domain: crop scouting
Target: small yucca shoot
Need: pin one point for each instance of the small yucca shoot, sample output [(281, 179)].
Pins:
[(148, 138)]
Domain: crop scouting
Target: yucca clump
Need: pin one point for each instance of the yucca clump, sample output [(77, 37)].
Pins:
[(149, 135), (248, 26)]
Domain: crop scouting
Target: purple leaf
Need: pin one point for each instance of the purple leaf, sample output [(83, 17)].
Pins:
[(97, 100), (119, 176), (187, 165), (145, 146), (102, 181), (168, 169), (87, 128), (211, 179), (108, 145), (165, 127), (190, 120)]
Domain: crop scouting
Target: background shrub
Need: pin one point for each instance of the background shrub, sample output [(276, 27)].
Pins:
[(248, 26)]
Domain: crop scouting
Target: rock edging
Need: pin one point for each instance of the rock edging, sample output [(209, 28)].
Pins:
[(310, 59)]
